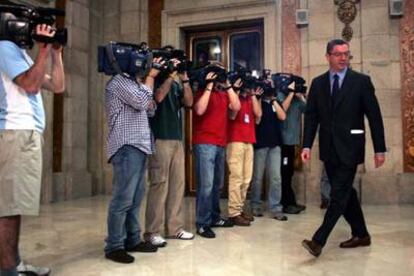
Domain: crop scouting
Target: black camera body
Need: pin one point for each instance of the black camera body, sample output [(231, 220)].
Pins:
[(127, 59), (18, 23), (283, 81), (167, 54), (198, 75)]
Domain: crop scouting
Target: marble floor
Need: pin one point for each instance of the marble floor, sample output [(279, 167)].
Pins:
[(69, 238)]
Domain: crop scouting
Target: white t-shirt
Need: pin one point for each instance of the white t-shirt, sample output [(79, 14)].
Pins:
[(18, 109)]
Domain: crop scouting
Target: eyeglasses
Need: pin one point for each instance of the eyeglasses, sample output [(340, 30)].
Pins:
[(340, 54)]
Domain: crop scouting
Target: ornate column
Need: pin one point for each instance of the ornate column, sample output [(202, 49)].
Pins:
[(291, 57), (407, 85)]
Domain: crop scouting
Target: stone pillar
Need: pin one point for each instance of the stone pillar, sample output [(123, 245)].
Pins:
[(380, 59), (75, 181), (96, 108), (292, 63), (407, 78)]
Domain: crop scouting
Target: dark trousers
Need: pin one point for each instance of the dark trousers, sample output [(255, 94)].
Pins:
[(286, 171), (344, 201)]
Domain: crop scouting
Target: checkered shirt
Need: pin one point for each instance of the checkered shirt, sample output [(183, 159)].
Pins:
[(128, 106)]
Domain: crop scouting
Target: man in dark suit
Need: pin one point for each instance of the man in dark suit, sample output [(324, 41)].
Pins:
[(337, 103)]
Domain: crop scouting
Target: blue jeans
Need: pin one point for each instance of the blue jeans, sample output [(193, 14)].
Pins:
[(210, 178), (128, 190), (267, 160)]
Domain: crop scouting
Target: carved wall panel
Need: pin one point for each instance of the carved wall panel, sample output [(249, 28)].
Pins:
[(291, 58), (407, 85)]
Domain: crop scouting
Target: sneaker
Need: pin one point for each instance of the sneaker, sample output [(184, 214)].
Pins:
[(144, 247), (240, 221), (257, 213), (247, 216), (119, 256), (280, 216), (206, 232), (28, 269), (183, 235), (223, 223), (157, 240)]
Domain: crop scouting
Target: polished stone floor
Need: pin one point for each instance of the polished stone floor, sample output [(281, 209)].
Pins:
[(69, 237)]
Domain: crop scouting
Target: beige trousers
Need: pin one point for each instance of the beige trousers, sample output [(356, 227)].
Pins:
[(240, 161), (166, 188), (20, 172)]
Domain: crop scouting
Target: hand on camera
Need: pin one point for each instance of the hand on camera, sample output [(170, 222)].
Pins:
[(237, 84), (46, 31), (211, 77), (210, 80), (183, 76), (157, 64), (258, 92)]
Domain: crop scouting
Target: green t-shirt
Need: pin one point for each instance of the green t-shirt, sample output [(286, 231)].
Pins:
[(167, 122)]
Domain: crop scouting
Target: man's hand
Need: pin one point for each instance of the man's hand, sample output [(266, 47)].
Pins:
[(237, 84), (300, 96), (379, 159), (158, 62), (257, 92), (210, 80), (183, 76), (47, 31), (305, 155)]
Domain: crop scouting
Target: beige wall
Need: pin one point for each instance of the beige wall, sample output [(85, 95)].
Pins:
[(375, 48)]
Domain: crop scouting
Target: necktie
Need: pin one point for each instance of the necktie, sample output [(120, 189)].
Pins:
[(335, 88)]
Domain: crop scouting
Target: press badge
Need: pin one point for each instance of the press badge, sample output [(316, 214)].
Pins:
[(285, 161), (246, 118)]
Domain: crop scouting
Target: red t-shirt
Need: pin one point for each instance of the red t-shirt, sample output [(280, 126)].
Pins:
[(211, 127), (242, 128)]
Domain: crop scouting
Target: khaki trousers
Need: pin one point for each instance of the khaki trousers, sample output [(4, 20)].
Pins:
[(240, 161), (166, 188)]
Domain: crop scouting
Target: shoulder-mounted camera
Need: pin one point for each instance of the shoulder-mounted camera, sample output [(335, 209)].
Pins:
[(18, 24)]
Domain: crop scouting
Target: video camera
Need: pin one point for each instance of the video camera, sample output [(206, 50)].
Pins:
[(198, 75), (251, 80), (283, 81), (18, 24), (168, 53), (126, 59)]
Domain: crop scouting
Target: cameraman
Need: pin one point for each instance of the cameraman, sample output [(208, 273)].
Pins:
[(129, 103), (211, 108), (239, 152), (22, 122), (294, 104), (267, 156), (166, 166)]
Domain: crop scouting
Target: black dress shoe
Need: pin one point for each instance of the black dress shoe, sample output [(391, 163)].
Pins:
[(313, 247), (291, 210), (143, 247), (301, 207), (120, 256), (206, 232), (356, 242)]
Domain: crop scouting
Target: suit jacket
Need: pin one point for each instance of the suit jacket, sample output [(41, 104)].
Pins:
[(341, 123)]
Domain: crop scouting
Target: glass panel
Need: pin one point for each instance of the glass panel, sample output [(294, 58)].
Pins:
[(245, 50), (207, 49)]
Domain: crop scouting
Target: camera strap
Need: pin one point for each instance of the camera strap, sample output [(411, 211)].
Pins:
[(112, 60)]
